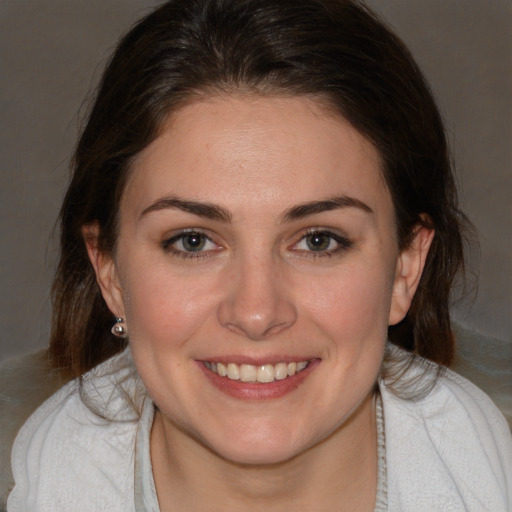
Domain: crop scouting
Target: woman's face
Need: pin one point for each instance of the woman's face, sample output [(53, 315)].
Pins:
[(257, 238)]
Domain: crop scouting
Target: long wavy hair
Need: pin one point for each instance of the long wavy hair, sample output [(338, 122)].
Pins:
[(337, 51)]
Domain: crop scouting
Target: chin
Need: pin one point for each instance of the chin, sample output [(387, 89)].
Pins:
[(260, 446), (259, 456)]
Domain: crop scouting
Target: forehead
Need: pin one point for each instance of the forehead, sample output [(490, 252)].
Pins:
[(270, 152)]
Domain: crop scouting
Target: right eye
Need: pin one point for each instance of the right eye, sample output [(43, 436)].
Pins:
[(189, 244)]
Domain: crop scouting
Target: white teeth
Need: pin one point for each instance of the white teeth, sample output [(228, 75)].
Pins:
[(221, 369), (281, 371), (301, 365), (248, 373), (291, 368), (233, 371), (265, 373)]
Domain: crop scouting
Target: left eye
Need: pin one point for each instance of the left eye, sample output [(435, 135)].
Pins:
[(322, 242)]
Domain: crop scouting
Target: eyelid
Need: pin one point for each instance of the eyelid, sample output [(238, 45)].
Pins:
[(343, 242), (167, 244)]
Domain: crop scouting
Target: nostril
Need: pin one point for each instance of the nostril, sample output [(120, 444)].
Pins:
[(275, 329), (256, 302), (257, 326)]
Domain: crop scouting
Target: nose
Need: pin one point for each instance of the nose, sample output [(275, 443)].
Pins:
[(257, 303)]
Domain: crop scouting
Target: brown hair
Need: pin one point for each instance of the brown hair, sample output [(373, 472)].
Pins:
[(337, 50)]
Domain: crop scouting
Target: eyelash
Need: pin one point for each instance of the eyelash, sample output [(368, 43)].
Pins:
[(169, 244), (342, 242)]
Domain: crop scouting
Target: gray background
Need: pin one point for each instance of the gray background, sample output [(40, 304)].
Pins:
[(52, 53)]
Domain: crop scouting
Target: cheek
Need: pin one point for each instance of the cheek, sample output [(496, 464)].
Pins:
[(355, 300), (164, 309)]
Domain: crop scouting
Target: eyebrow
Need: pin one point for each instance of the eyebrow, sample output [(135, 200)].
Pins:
[(206, 210), (214, 212), (314, 207)]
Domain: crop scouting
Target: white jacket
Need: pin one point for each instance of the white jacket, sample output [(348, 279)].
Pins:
[(451, 451)]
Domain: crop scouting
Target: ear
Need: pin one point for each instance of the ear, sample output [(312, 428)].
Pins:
[(409, 267), (105, 269)]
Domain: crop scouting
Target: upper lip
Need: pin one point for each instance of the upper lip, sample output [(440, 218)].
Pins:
[(257, 361)]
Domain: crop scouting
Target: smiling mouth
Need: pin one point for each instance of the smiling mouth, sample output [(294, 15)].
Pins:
[(263, 374)]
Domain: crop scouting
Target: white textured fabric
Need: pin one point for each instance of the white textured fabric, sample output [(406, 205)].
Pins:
[(450, 451), (381, 498), (66, 458)]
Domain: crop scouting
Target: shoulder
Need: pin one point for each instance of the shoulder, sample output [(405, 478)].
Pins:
[(26, 381), (68, 456), (450, 449)]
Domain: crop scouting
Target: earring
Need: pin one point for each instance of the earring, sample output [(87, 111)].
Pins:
[(119, 328)]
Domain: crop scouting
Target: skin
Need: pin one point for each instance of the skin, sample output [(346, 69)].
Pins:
[(260, 290)]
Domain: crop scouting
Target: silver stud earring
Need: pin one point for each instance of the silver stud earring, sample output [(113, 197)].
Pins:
[(119, 328)]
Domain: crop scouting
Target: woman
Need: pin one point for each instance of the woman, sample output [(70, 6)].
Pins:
[(261, 198)]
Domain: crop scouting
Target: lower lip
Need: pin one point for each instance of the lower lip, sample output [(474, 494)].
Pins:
[(258, 391)]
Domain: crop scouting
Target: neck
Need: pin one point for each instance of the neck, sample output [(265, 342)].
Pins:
[(337, 474)]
